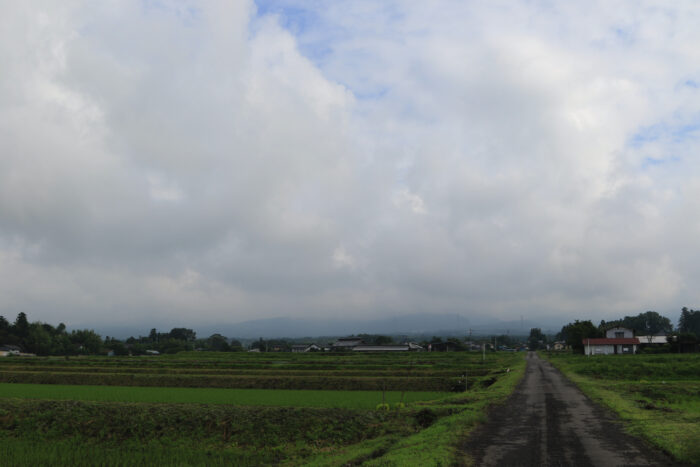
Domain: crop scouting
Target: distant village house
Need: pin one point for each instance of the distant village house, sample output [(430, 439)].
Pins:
[(299, 348), (617, 341)]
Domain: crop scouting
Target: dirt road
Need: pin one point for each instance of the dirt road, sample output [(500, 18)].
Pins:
[(549, 422)]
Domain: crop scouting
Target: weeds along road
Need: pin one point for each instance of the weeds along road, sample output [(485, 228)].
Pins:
[(549, 422)]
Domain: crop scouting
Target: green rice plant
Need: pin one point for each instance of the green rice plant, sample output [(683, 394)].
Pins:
[(252, 397)]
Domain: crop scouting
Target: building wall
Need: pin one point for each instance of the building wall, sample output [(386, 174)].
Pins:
[(599, 349), (610, 333)]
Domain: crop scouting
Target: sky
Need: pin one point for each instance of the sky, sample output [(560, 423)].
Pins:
[(197, 163)]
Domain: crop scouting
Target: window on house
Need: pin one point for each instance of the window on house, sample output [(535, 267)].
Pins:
[(619, 334)]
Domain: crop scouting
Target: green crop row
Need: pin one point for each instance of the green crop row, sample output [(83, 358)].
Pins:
[(52, 432), (322, 361), (257, 397), (365, 383), (309, 371), (632, 367)]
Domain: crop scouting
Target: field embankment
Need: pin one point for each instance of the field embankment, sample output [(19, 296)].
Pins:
[(658, 396)]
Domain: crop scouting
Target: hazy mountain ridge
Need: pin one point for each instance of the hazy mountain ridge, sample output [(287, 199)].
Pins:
[(411, 324)]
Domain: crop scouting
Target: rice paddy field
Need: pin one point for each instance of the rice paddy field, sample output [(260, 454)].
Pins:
[(658, 395), (248, 409)]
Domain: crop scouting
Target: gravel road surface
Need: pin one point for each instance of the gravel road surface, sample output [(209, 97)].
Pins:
[(549, 422)]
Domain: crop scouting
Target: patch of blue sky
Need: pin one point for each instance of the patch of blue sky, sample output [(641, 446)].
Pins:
[(648, 134), (664, 132), (317, 36), (372, 93), (691, 84), (184, 11), (303, 23), (650, 162), (295, 19), (624, 35), (685, 132)]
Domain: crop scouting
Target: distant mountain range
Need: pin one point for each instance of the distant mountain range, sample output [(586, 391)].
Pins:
[(439, 324), (419, 323)]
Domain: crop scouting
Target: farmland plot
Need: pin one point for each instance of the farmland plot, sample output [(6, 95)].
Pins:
[(193, 411)]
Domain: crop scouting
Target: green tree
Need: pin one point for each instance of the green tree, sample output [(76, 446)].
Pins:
[(115, 346), (648, 323), (689, 322), (259, 344), (39, 340), (537, 340), (218, 343), (183, 334), (574, 333), (5, 336), (458, 344), (86, 341), (170, 345), (21, 326)]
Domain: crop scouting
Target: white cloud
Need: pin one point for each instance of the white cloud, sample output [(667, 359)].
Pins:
[(411, 200), (452, 156), (341, 258)]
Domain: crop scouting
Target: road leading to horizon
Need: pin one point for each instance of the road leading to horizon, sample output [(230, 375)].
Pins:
[(548, 421)]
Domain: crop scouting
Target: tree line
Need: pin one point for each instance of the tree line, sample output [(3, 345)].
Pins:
[(44, 339), (686, 335)]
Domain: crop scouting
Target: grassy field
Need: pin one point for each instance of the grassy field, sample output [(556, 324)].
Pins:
[(657, 395), (115, 425)]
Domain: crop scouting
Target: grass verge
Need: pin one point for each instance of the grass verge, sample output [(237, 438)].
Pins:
[(663, 411)]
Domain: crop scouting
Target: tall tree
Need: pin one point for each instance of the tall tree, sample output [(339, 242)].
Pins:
[(648, 323), (536, 340), (21, 326), (183, 334), (574, 333), (689, 322)]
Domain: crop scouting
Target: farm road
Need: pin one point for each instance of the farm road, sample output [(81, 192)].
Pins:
[(549, 422)]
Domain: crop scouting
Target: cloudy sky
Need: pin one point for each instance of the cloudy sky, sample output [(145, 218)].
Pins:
[(185, 163)]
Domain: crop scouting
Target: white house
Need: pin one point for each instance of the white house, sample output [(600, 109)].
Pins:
[(298, 348), (617, 341)]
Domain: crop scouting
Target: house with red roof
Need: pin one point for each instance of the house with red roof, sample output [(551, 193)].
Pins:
[(617, 341)]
